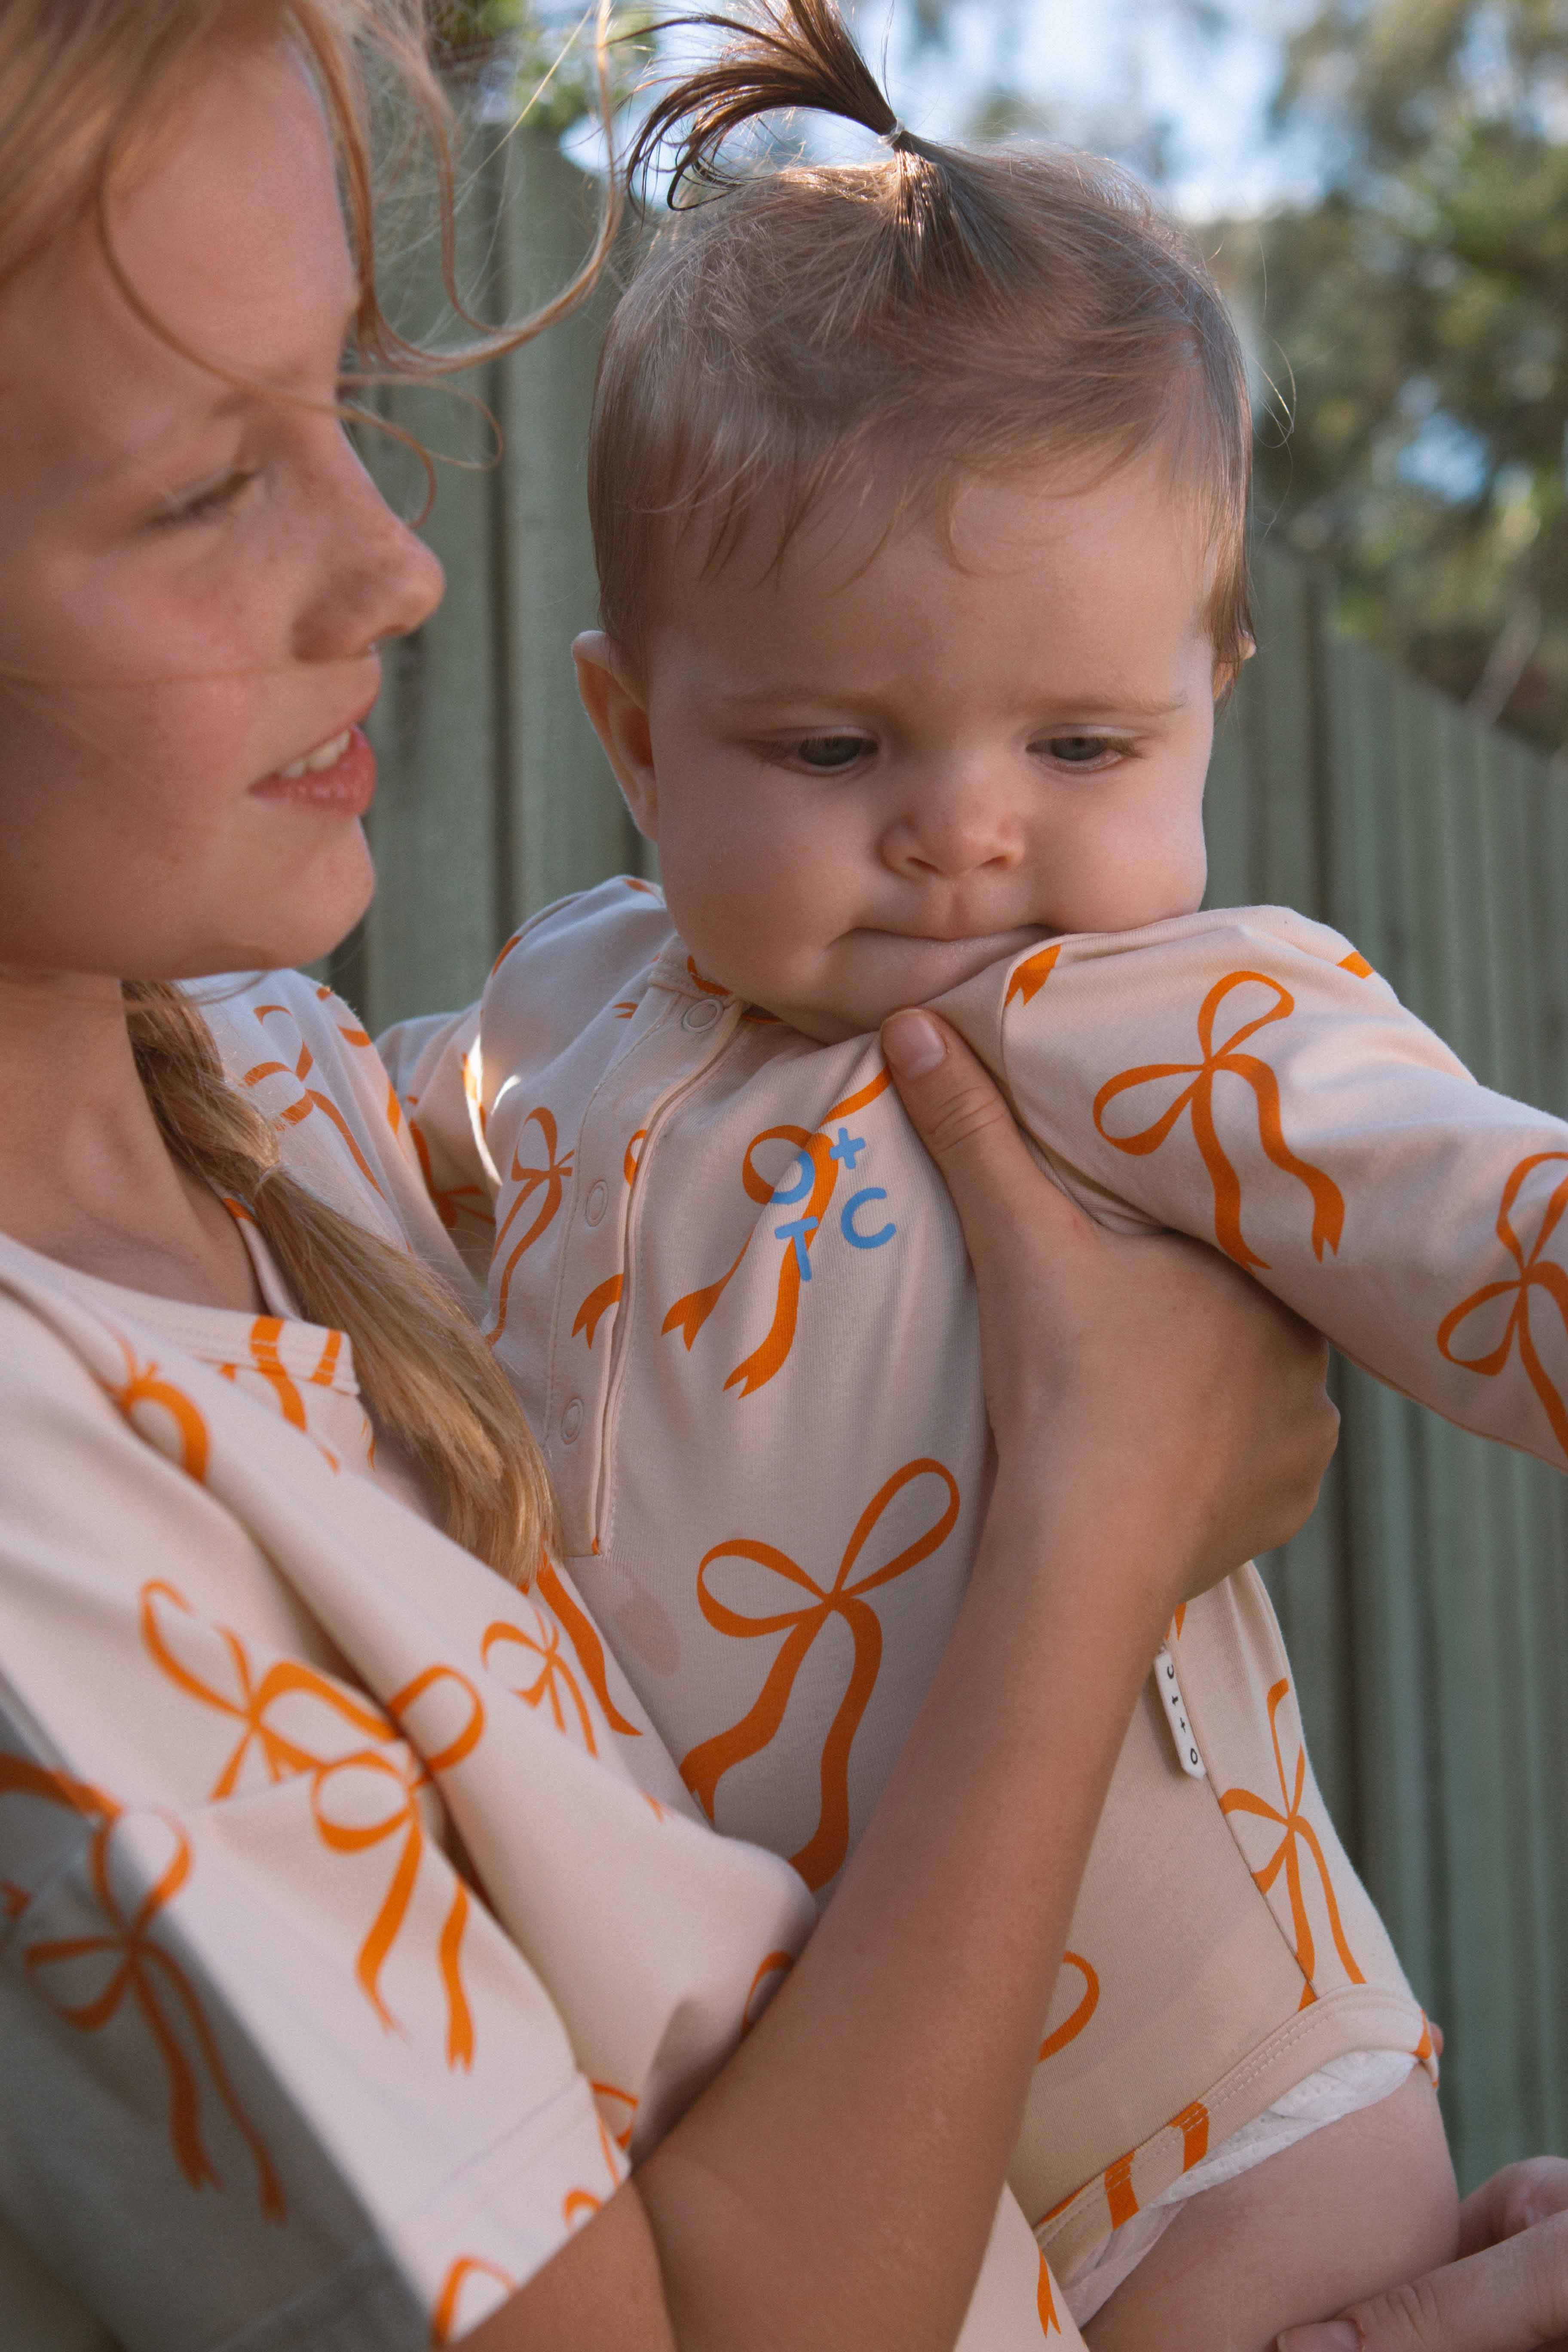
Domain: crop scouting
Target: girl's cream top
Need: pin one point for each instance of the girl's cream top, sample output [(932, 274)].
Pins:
[(357, 1928)]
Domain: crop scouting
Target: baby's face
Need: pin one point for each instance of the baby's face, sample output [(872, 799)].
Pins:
[(872, 773)]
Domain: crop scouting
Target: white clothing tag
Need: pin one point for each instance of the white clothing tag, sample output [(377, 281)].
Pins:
[(1170, 1690)]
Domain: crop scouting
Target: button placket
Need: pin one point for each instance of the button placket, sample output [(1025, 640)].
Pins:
[(595, 1255)]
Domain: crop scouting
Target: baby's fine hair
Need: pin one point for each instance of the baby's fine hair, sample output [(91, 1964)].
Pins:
[(821, 329)]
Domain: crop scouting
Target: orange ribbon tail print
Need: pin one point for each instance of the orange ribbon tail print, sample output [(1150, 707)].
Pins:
[(814, 1153), (1299, 1832), (1031, 975), (1328, 1201), (550, 1181), (1536, 1275), (1045, 2303), (604, 1296), (1072, 2027), (583, 1636), (311, 1099), (705, 1766)]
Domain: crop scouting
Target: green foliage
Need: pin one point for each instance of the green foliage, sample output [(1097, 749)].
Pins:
[(1416, 317), (547, 52)]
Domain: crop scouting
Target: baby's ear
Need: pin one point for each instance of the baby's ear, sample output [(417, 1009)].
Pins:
[(613, 697)]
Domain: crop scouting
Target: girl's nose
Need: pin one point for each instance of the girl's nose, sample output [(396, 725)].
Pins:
[(376, 578)]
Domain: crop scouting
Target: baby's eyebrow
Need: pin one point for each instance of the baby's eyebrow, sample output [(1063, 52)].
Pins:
[(1098, 705), (1102, 706)]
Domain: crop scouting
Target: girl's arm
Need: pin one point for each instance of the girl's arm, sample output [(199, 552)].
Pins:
[(1157, 1420)]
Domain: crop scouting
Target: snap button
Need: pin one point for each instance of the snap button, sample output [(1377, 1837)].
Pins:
[(700, 1017), (572, 1420), (598, 1199)]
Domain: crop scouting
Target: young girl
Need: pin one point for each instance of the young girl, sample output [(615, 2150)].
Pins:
[(920, 494), (355, 1923)]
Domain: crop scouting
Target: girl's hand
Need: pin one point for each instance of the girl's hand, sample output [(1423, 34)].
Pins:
[(1147, 1361), (1507, 2292)]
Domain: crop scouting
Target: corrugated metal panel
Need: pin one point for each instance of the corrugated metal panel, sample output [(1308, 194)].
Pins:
[(1426, 1604)]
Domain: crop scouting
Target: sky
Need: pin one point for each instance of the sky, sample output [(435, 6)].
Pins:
[(1125, 77), (1111, 68)]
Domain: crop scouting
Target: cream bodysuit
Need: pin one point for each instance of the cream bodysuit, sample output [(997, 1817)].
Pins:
[(731, 1291)]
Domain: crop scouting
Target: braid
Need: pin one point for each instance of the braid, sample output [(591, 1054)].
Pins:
[(425, 1372)]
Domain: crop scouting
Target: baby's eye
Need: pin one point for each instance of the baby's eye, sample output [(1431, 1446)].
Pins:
[(1080, 750), (827, 755)]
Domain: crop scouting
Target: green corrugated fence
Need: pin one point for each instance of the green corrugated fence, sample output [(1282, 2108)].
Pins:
[(1426, 1604)]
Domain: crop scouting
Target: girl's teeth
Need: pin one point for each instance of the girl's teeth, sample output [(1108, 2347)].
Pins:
[(315, 763)]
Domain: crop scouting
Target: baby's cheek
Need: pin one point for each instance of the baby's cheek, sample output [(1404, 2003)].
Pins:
[(1143, 871)]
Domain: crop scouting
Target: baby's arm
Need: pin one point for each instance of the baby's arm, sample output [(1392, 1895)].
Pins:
[(1363, 2204), (1243, 1076)]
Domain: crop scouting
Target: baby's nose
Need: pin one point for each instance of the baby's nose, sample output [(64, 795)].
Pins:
[(952, 832)]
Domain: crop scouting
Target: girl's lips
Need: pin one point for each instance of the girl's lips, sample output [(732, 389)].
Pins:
[(345, 789)]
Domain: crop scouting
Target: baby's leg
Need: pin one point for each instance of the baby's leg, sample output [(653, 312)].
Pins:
[(1358, 2206)]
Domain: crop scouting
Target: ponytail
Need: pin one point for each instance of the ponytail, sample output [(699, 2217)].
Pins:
[(800, 55), (425, 1372)]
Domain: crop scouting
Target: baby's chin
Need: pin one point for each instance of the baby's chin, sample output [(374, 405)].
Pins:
[(870, 974)]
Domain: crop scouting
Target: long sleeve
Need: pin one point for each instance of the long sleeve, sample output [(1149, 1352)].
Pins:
[(1243, 1076)]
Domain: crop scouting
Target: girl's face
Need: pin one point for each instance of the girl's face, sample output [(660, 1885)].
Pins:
[(195, 573)]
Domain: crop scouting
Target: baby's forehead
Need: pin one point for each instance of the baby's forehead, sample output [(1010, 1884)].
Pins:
[(1060, 536)]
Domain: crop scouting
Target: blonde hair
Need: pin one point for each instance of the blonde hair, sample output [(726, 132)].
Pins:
[(811, 330), (423, 1368), (87, 89)]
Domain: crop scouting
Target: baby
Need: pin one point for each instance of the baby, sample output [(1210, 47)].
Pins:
[(920, 493)]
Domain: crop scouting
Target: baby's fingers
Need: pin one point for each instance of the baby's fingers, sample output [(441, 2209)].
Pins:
[(958, 1111)]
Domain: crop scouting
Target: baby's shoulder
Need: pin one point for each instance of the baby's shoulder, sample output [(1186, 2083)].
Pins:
[(581, 957)]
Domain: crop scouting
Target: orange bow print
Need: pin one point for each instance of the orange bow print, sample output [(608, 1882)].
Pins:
[(459, 1200), (363, 1043), (265, 1359), (688, 1314), (1328, 1201), (310, 1099), (381, 1793), (1299, 1832), (1535, 1274), (554, 1684), (142, 1386), (707, 1764), (551, 1180), (19, 1778), (143, 1972)]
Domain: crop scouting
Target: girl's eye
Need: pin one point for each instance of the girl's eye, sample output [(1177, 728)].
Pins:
[(825, 755), (204, 503), (1080, 750)]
